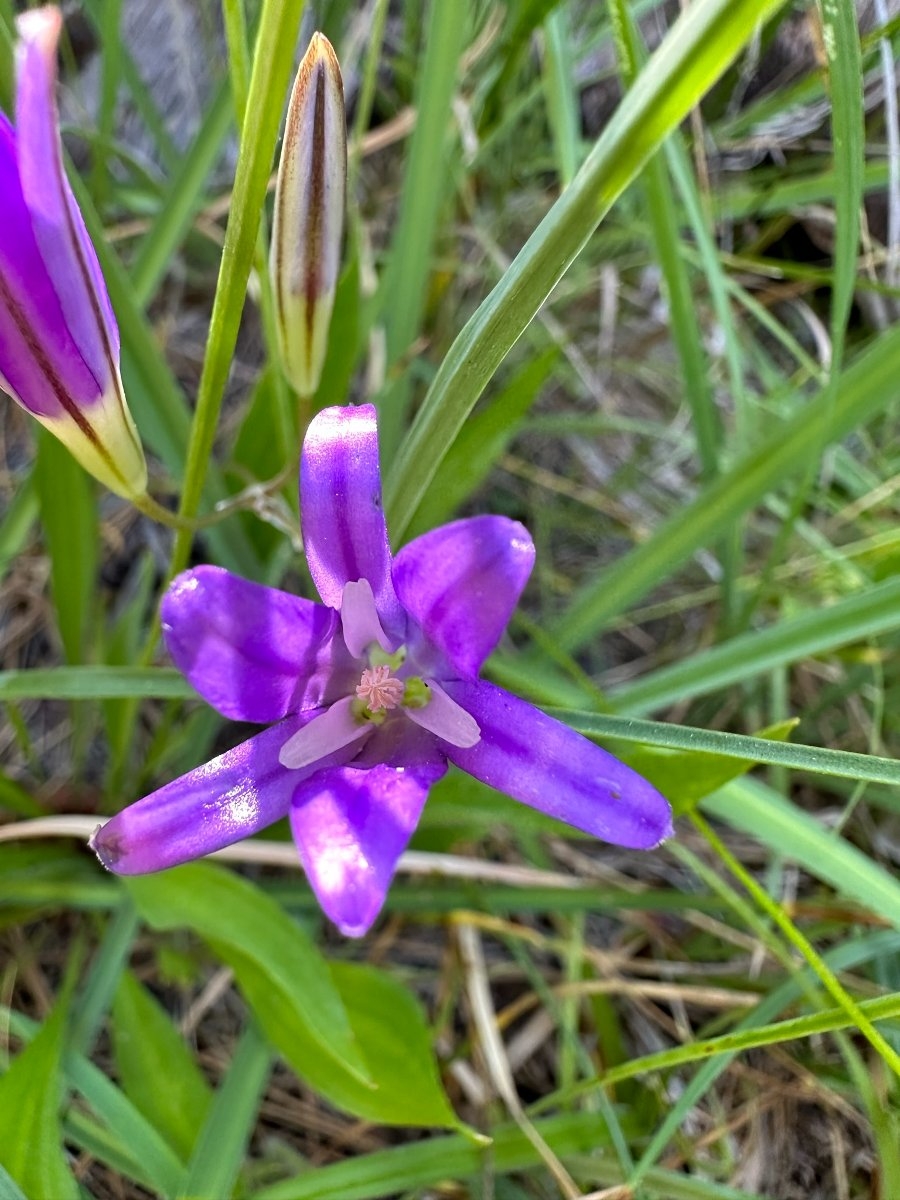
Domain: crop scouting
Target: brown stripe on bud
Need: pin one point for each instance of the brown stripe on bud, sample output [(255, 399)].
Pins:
[(310, 198)]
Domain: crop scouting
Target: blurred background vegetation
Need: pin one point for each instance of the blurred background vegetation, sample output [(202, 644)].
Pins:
[(699, 427)]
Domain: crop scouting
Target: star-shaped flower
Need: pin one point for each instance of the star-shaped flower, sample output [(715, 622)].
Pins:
[(373, 693)]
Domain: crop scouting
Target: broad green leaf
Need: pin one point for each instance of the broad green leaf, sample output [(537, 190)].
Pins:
[(751, 806), (9, 1190), (245, 924), (69, 520), (390, 1031), (31, 1148), (157, 1071)]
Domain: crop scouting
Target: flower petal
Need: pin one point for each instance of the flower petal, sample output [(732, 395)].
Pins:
[(542, 762), (462, 581), (330, 732), (65, 247), (351, 825), (40, 365), (252, 652), (225, 800), (340, 509)]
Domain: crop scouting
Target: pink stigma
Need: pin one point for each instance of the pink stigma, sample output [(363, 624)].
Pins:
[(378, 689)]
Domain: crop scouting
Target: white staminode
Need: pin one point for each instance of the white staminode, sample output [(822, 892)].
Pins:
[(335, 728)]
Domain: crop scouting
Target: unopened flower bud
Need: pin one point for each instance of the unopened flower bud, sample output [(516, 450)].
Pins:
[(309, 215), (59, 343)]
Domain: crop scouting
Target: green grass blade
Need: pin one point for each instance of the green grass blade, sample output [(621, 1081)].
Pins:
[(752, 807), (154, 396), (223, 1139), (94, 683), (70, 525), (94, 1002), (663, 211), (183, 199), (406, 277), (872, 611), (562, 98), (272, 65), (699, 47), (866, 386), (840, 40), (31, 1148), (17, 522), (820, 760)]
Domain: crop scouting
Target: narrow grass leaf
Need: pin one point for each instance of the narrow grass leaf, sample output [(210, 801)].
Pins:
[(576, 1137), (686, 776), (750, 806), (226, 1133), (69, 521), (866, 387), (482, 440), (425, 189), (698, 48), (157, 1071), (840, 41), (562, 98), (229, 911), (154, 395), (183, 199), (103, 977), (818, 759), (18, 521), (94, 683), (873, 610), (663, 212), (31, 1148), (272, 64)]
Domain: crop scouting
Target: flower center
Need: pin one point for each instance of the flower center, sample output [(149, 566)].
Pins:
[(379, 689)]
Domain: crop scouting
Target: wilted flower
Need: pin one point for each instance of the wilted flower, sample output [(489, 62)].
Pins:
[(374, 692), (59, 343), (310, 197)]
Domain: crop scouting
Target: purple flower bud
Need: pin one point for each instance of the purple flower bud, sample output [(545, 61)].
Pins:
[(59, 343), (309, 215)]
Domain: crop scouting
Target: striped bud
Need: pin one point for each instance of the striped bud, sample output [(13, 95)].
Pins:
[(59, 342), (310, 198)]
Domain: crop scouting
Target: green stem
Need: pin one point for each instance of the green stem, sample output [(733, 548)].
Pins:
[(272, 64)]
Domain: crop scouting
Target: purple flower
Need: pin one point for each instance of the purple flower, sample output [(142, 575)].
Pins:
[(59, 343), (374, 692)]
